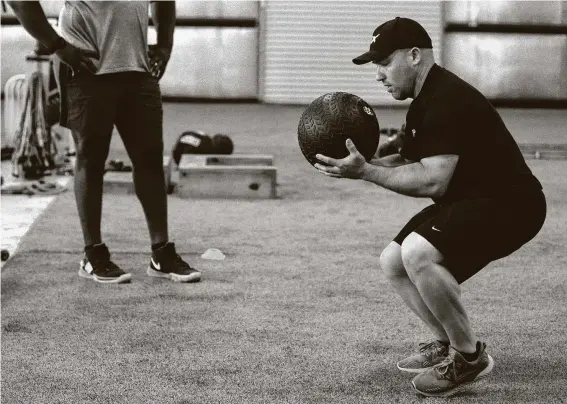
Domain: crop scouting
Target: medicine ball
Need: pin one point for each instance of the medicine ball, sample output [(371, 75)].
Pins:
[(222, 144), (192, 142), (331, 119)]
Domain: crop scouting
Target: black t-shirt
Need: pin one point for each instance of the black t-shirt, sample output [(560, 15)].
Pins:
[(449, 116)]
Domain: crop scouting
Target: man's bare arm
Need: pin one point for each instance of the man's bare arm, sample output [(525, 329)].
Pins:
[(33, 19), (429, 177), (163, 18), (392, 160)]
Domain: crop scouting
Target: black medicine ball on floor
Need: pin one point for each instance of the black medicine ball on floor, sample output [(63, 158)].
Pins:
[(331, 119), (192, 142), (222, 144)]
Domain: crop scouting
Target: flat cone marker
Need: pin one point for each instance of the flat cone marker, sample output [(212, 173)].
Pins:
[(213, 254)]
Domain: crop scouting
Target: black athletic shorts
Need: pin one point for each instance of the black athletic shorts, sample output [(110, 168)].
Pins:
[(473, 232), (92, 105)]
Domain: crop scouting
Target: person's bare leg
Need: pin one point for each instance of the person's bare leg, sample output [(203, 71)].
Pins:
[(149, 182), (393, 267), (439, 290), (140, 126), (88, 181)]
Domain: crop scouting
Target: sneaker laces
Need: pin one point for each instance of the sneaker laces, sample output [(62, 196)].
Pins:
[(423, 347), (167, 254), (175, 259), (447, 368), (102, 260), (107, 266), (430, 349), (179, 261), (111, 266)]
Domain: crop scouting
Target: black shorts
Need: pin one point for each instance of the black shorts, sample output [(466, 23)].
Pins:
[(92, 105), (473, 232)]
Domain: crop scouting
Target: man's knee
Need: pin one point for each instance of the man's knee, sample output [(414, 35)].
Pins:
[(90, 150), (146, 153), (150, 161), (391, 262), (418, 254)]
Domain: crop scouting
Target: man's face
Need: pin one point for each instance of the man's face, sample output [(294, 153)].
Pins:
[(397, 73)]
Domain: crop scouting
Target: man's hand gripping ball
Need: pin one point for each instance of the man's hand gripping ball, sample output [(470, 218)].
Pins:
[(352, 166)]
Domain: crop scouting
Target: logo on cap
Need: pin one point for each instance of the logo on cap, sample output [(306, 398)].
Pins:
[(374, 38), (367, 110)]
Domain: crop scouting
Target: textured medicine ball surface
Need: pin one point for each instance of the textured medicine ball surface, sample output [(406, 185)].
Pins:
[(331, 119)]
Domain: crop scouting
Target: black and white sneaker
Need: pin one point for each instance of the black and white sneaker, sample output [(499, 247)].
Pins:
[(166, 263), (97, 266)]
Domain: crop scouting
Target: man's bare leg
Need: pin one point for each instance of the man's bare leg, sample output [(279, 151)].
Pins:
[(391, 263), (88, 183), (439, 290)]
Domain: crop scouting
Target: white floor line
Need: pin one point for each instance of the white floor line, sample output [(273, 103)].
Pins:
[(19, 212)]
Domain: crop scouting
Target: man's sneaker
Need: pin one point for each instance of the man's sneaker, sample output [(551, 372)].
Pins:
[(97, 266), (166, 263), (451, 375), (430, 354)]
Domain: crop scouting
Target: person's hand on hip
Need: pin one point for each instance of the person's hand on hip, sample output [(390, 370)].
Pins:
[(159, 57), (78, 59)]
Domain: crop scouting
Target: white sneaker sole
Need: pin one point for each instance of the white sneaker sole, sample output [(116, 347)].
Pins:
[(100, 279), (194, 277), (420, 370)]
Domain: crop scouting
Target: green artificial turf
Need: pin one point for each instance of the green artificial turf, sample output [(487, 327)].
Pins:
[(299, 312)]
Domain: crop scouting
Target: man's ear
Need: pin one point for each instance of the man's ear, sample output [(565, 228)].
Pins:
[(415, 55)]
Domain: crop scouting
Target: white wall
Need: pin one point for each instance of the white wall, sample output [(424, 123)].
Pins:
[(307, 47)]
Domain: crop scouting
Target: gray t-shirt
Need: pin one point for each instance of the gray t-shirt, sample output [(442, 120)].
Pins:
[(117, 30)]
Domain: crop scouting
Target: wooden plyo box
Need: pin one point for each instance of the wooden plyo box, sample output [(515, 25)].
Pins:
[(117, 182), (245, 176), (543, 151)]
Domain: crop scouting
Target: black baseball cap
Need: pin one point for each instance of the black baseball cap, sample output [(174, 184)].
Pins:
[(399, 33)]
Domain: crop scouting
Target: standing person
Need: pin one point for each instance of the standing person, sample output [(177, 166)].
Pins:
[(487, 202), (110, 77)]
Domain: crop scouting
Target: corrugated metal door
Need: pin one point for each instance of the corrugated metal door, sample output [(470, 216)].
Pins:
[(306, 47)]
